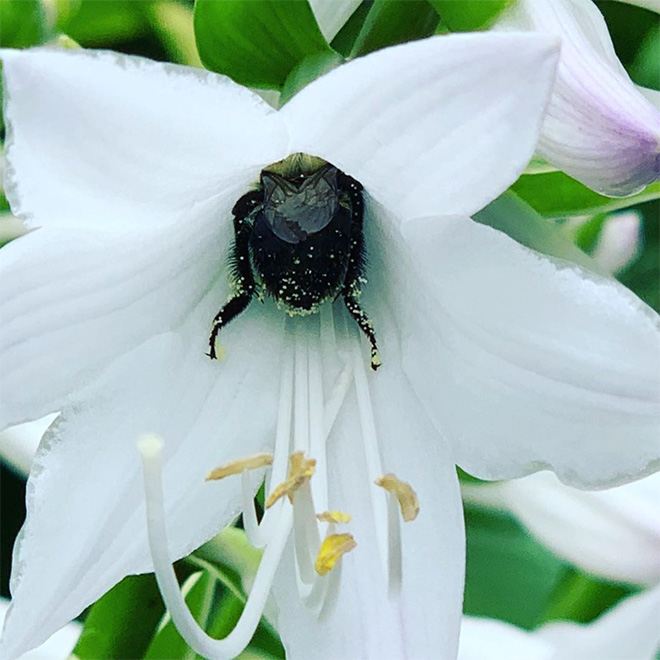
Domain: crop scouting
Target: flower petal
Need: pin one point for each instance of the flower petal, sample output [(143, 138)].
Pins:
[(439, 125), (613, 533), (490, 639), (58, 646), (98, 139), (521, 361), (599, 128), (423, 621), (331, 16), (18, 444), (72, 300), (86, 524)]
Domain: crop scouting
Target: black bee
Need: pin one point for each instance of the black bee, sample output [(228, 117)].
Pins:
[(299, 237)]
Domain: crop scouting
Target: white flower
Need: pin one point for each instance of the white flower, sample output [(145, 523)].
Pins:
[(130, 168), (599, 128), (619, 241)]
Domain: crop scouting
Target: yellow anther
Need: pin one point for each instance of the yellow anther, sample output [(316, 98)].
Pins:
[(404, 493), (239, 465), (333, 548), (333, 517), (301, 470)]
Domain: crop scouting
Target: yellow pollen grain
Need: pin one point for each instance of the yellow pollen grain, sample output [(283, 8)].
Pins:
[(404, 493), (333, 517), (301, 470), (239, 465), (333, 548), (220, 350)]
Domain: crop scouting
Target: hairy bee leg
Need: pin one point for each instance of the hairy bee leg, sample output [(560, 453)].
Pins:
[(356, 266), (240, 268), (235, 306), (354, 309)]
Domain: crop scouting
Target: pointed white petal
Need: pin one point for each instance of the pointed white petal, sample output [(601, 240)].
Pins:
[(441, 125), (521, 361), (628, 630), (423, 621), (332, 14), (599, 128), (104, 140), (490, 639), (86, 526), (72, 299), (612, 533)]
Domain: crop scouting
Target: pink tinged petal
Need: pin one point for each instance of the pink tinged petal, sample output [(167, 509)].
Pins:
[(619, 241), (423, 621), (599, 128), (86, 520), (441, 125), (331, 15), (611, 533), (490, 639), (72, 300), (524, 362), (628, 630), (98, 139)]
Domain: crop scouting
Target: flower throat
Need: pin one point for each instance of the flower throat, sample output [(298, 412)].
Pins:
[(299, 239)]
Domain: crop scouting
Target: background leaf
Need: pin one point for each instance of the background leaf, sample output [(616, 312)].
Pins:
[(256, 43), (468, 15)]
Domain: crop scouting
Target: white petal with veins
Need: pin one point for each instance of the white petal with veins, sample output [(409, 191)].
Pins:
[(97, 139), (521, 361), (403, 120)]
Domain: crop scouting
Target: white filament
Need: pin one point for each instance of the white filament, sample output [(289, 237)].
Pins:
[(213, 649), (372, 456)]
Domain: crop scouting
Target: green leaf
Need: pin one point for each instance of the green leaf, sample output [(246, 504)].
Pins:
[(173, 23), (509, 575), (345, 38), (555, 194), (581, 597), (199, 591), (102, 23), (468, 15), (308, 70), (22, 23), (392, 22), (256, 43), (122, 623), (512, 216)]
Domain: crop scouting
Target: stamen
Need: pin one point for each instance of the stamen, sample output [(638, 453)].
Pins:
[(333, 548), (316, 427), (240, 465), (372, 454), (335, 517), (300, 472), (214, 649), (403, 492)]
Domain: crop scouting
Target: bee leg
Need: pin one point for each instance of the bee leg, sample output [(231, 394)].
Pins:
[(354, 309), (240, 268), (356, 267)]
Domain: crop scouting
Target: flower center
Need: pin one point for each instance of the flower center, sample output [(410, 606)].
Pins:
[(298, 489)]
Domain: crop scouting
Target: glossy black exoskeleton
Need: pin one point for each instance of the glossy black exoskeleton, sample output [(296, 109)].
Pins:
[(299, 238)]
